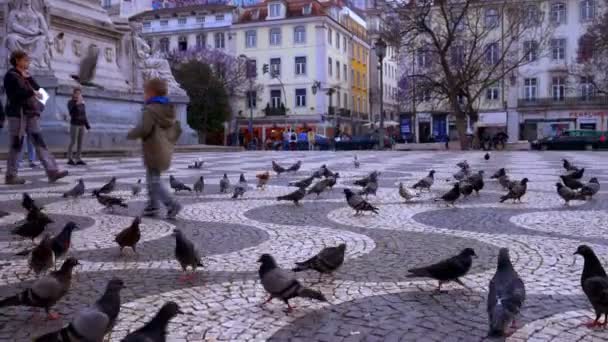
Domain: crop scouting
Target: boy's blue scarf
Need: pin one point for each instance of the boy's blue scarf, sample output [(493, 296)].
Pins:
[(158, 99)]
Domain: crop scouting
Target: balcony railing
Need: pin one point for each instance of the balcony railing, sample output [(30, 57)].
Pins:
[(274, 111), (569, 102), (343, 112)]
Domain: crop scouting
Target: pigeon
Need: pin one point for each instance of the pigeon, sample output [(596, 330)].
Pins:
[(327, 172), (129, 237), (476, 181), (28, 203), (94, 322), (41, 257), (451, 196), (3, 214), (486, 156), (295, 167), (136, 188), (199, 186), (370, 188), (177, 185), (277, 168), (263, 179), (591, 188), (240, 188), (304, 183), (198, 164), (426, 182), (294, 197), (406, 193), (107, 188), (328, 260), (357, 202), (372, 177), (46, 291), (36, 215), (506, 296), (568, 194), (282, 284), (186, 254), (578, 174), (319, 187), (499, 173), (156, 329), (356, 162), (224, 184), (463, 173), (594, 282), (516, 191), (63, 240), (569, 166), (332, 180), (320, 172), (76, 191), (447, 270), (466, 188), (571, 182), (110, 202), (505, 182), (463, 165), (32, 228), (88, 68)]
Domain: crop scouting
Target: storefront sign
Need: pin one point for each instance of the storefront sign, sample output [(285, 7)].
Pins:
[(586, 114), (498, 119), (423, 117)]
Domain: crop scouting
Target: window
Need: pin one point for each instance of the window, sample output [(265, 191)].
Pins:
[(200, 19), (182, 20), (492, 54), (275, 67), (587, 87), (423, 58), (307, 10), (106, 3), (492, 93), (275, 98), (587, 10), (558, 87), (274, 10), (586, 46), (299, 35), (182, 43), (251, 39), (164, 45), (530, 50), (338, 69), (219, 40), (300, 65), (345, 71), (345, 103), (530, 89), (329, 66), (352, 76), (147, 24), (532, 14), (301, 97), (358, 79), (275, 36), (558, 49), (219, 17), (252, 99), (558, 13), (201, 41), (457, 55), (457, 18), (344, 43), (164, 22), (491, 18), (329, 36), (338, 40), (338, 98)]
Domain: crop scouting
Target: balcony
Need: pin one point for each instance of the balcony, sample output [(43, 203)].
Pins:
[(343, 112), (565, 103), (275, 111)]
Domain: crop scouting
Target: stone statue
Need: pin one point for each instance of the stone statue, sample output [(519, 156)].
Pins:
[(152, 65), (28, 31)]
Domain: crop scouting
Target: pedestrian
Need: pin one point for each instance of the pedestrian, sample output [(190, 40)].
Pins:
[(23, 110), (286, 135), (159, 131), (31, 154), (293, 140), (78, 123), (447, 142), (311, 140)]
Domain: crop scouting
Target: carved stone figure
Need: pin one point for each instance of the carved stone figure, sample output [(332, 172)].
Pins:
[(151, 65), (27, 30), (59, 43), (109, 53), (77, 48)]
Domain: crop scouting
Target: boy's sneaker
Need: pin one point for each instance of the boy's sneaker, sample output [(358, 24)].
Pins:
[(71, 162), (151, 212), (174, 211)]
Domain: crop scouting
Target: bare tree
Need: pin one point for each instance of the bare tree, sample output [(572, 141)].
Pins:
[(463, 47), (592, 58)]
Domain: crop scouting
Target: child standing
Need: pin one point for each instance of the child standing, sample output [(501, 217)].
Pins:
[(159, 131)]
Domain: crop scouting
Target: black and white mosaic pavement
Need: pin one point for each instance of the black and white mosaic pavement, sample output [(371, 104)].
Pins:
[(370, 297)]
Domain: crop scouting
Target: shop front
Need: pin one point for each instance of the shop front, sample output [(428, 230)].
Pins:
[(406, 132), (491, 123), (540, 125)]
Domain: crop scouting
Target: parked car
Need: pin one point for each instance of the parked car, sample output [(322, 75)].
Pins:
[(573, 140)]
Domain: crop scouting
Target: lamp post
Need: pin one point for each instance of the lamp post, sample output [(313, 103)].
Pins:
[(380, 48), (316, 86), (251, 74)]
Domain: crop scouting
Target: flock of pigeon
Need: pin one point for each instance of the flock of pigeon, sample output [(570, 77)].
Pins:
[(506, 293)]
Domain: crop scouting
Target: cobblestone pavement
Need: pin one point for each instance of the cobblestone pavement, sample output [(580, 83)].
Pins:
[(370, 297)]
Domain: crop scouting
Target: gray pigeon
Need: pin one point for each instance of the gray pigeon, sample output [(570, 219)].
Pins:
[(320, 172), (94, 322), (370, 188), (516, 191), (372, 177), (42, 257), (278, 168), (136, 188), (447, 270), (505, 182), (282, 284), (224, 184), (591, 188), (304, 183), (199, 186), (426, 182), (240, 188), (328, 260), (46, 291), (178, 185), (156, 329), (186, 254), (466, 188), (357, 202), (506, 296), (571, 183), (88, 67), (332, 180), (476, 181), (406, 193), (294, 197), (107, 188), (76, 191), (568, 194), (319, 187), (594, 282), (356, 162), (464, 172)]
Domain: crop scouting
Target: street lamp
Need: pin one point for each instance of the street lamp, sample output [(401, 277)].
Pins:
[(251, 74), (316, 86), (380, 48)]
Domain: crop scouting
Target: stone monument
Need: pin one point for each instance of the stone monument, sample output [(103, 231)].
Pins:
[(74, 43)]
